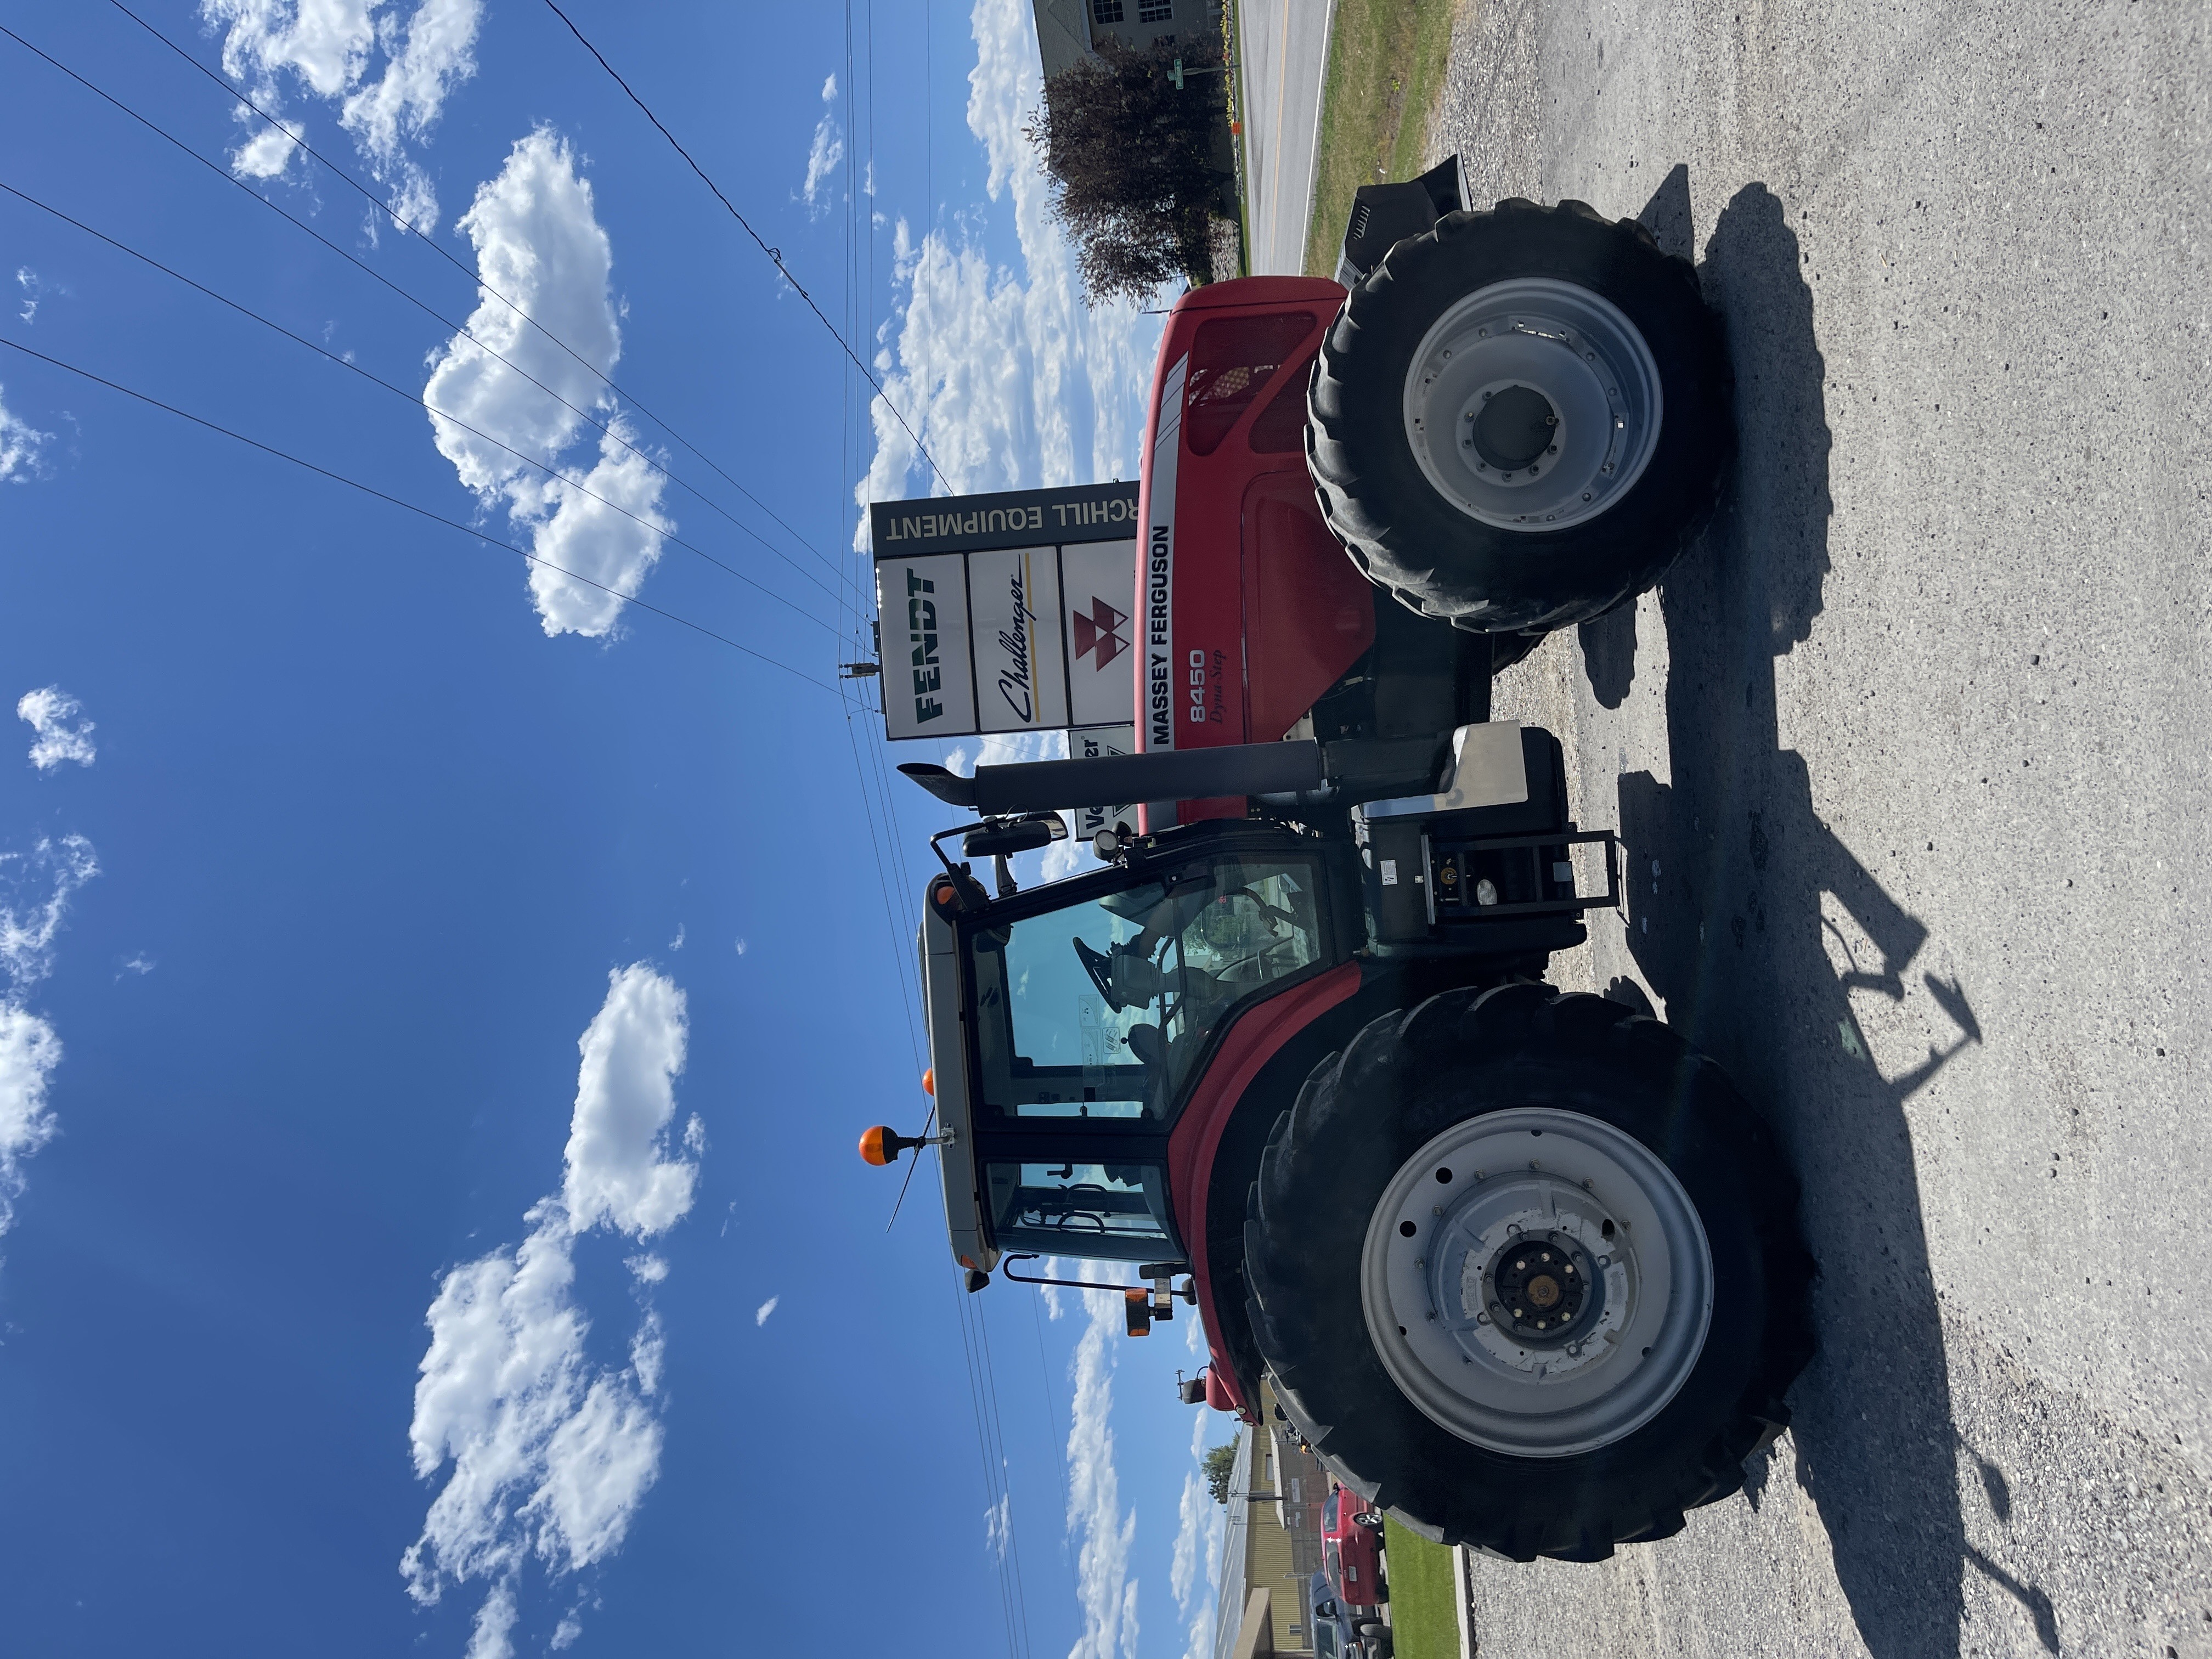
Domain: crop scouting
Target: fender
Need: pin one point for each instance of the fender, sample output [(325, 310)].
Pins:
[(1245, 1048)]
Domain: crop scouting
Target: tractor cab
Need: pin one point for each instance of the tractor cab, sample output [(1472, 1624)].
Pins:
[(1068, 1023)]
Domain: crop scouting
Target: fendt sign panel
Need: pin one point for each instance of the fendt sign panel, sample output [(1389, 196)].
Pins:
[(1008, 612), (929, 673)]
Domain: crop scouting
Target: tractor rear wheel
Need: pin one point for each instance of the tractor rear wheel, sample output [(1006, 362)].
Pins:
[(1521, 418), (1526, 1270)]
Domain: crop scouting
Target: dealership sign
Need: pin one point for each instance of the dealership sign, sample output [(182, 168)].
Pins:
[(1007, 612)]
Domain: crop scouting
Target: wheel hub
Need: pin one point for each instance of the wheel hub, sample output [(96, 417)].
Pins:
[(1537, 1282), (1533, 404), (1513, 427), (1540, 1287)]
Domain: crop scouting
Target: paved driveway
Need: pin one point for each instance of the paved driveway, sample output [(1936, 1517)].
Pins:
[(1283, 46), (1912, 756)]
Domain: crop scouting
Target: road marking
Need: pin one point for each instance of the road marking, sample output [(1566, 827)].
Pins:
[(1282, 79)]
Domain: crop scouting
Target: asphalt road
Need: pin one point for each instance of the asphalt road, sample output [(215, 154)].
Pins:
[(1282, 46), (1911, 758)]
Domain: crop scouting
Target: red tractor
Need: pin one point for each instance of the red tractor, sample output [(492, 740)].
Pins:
[(1523, 1269)]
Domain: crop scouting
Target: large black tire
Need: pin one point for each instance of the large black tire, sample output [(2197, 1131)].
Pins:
[(1414, 540), (1506, 649), (1464, 1054)]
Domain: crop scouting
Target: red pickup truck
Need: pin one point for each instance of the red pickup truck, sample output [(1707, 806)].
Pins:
[(1351, 1550)]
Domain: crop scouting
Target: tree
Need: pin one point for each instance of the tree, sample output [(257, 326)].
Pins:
[(1133, 156), (1218, 1464)]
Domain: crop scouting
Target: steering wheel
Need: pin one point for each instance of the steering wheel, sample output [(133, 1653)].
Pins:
[(1100, 966), (1263, 945)]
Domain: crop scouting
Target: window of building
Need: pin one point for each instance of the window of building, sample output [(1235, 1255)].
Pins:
[(1103, 12), (1152, 11)]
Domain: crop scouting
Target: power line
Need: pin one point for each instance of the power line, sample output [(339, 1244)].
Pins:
[(991, 1472), (407, 506), (475, 276), (378, 276), (998, 1423), (401, 391), (775, 255)]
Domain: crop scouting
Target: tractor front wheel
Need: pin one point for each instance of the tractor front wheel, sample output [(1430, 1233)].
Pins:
[(1519, 419), (1526, 1270)]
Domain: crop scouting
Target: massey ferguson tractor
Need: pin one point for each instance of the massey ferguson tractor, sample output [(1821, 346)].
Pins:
[(1522, 1269)]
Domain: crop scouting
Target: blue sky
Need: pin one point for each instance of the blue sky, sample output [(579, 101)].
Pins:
[(438, 999)]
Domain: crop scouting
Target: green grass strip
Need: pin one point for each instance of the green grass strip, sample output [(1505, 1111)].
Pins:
[(1423, 1578), (1386, 69)]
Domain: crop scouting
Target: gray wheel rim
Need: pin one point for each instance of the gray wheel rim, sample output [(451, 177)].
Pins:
[(1516, 1177), (1571, 348)]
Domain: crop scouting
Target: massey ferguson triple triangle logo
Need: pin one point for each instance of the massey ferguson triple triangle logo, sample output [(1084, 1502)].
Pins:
[(1097, 632)]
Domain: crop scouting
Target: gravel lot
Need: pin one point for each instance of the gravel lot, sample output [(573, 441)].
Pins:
[(1911, 758)]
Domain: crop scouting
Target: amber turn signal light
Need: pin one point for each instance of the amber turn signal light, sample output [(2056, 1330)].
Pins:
[(882, 1144), (1137, 1309)]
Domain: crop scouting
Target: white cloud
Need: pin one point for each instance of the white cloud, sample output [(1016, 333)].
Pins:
[(999, 1525), (550, 1453), (389, 76), (825, 154), (58, 732), (29, 1049), (26, 937), (35, 289), (677, 944), (489, 1636), (1104, 1590), (19, 443), (618, 1170), (1200, 1522), (761, 1312), (1010, 380), (140, 963), (1182, 1572), (741, 947), (538, 243)]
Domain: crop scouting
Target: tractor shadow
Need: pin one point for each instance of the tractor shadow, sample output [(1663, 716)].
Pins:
[(1755, 923)]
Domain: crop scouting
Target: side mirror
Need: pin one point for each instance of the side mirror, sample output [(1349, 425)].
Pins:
[(1022, 834)]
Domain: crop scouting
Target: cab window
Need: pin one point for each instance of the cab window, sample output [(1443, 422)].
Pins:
[(1098, 1009), (1114, 1211)]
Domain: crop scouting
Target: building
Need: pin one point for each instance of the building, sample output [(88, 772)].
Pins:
[(1271, 1547), (1068, 30)]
